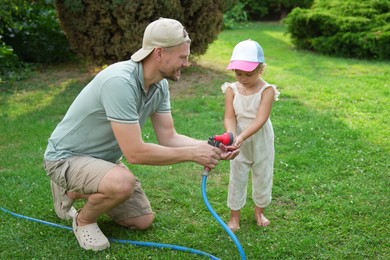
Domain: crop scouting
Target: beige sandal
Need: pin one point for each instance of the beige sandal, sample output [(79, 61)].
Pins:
[(90, 236), (62, 203)]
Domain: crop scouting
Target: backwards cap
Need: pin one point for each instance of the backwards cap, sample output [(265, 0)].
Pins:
[(163, 32)]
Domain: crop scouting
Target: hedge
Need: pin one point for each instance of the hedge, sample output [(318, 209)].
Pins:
[(354, 29)]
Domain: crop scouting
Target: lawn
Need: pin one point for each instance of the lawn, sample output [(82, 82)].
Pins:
[(330, 195)]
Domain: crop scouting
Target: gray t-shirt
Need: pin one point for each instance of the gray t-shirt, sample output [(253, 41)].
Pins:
[(116, 94)]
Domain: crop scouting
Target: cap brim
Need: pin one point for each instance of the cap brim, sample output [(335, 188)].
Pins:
[(140, 54), (242, 65)]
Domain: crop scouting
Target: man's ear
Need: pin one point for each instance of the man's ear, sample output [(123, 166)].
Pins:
[(157, 52)]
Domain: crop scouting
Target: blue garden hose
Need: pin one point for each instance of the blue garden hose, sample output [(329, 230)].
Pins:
[(151, 244), (137, 243), (220, 221)]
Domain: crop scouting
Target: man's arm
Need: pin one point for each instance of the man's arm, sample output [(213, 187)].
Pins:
[(167, 135), (138, 152)]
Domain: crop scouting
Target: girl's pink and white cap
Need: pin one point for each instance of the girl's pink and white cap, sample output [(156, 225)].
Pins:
[(247, 55)]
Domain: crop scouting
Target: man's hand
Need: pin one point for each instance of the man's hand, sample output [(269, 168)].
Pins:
[(206, 155)]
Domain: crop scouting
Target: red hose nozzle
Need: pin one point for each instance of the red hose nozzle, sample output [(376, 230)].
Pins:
[(226, 138)]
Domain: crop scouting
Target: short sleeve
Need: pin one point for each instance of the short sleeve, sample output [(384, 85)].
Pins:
[(224, 87), (276, 92), (164, 102), (229, 85), (119, 100)]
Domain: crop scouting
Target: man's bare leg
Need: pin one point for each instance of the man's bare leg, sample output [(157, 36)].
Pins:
[(115, 187), (138, 223)]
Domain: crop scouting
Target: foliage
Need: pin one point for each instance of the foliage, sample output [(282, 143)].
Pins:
[(235, 16), (9, 61), (108, 31), (350, 28), (9, 9), (29, 33), (32, 30), (271, 9), (11, 68), (332, 145), (242, 11)]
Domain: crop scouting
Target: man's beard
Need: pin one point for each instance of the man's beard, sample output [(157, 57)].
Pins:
[(170, 76)]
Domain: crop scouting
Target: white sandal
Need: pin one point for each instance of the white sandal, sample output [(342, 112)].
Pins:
[(90, 236)]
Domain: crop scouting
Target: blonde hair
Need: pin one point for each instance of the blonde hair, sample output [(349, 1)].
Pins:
[(261, 68)]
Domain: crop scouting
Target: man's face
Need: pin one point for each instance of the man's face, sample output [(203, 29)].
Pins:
[(174, 59)]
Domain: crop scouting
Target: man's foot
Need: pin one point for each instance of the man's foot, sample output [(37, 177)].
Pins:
[(62, 203), (90, 236), (261, 220)]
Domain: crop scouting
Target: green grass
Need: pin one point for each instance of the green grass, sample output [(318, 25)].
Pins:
[(330, 196)]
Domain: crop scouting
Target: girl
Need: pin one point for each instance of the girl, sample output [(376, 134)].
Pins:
[(248, 104)]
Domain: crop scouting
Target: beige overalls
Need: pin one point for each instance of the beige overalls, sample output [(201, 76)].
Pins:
[(256, 153)]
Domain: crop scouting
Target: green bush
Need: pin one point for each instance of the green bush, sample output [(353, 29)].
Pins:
[(357, 29), (235, 16), (109, 31), (10, 63), (11, 66), (32, 30), (271, 9)]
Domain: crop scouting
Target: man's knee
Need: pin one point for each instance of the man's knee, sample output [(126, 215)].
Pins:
[(139, 223), (119, 182)]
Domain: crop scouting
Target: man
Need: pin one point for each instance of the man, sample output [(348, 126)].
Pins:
[(104, 123)]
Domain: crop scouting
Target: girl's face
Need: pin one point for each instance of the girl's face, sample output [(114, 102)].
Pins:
[(247, 77)]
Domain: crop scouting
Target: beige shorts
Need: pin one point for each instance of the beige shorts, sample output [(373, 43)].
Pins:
[(83, 174)]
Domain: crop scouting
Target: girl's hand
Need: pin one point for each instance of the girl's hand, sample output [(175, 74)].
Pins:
[(228, 152), (238, 142)]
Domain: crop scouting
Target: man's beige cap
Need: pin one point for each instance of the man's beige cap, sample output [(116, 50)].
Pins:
[(163, 32)]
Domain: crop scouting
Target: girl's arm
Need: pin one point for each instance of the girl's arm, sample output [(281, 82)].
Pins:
[(267, 98), (230, 122)]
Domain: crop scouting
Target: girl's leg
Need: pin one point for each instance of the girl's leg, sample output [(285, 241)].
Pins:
[(238, 184), (262, 178), (234, 222), (261, 220)]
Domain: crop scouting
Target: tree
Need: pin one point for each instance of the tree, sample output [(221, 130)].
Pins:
[(112, 30)]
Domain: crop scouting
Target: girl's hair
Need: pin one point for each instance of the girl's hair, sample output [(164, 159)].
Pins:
[(261, 68)]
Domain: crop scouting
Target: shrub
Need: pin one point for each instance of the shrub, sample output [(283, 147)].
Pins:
[(108, 31), (33, 32), (344, 28), (11, 67), (235, 16), (271, 9), (9, 63)]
